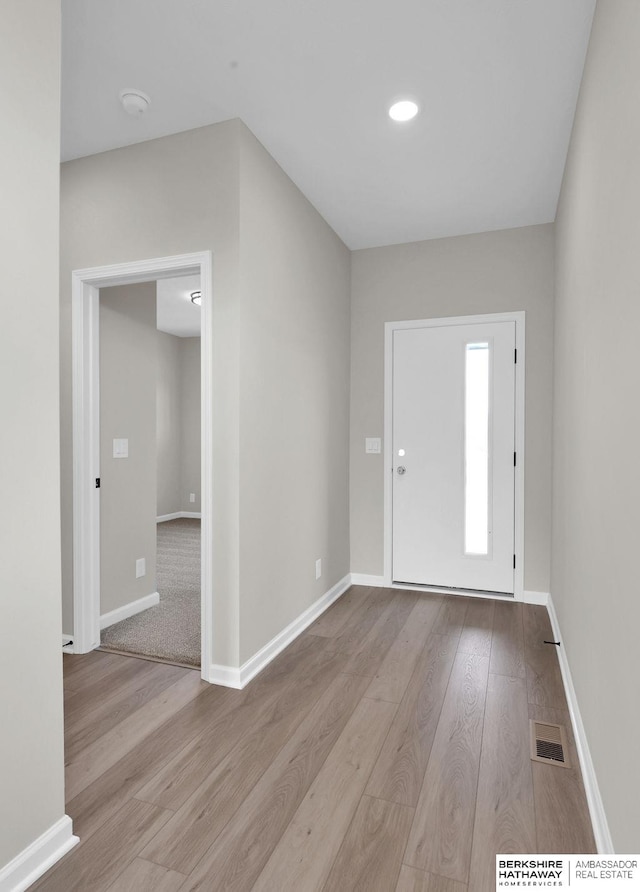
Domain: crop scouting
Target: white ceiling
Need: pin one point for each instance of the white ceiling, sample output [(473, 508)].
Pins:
[(497, 82), (176, 314)]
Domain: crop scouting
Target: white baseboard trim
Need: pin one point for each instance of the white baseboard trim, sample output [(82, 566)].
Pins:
[(599, 822), (130, 609), (378, 582), (195, 515), (233, 677), (366, 579), (541, 598), (226, 676), (37, 858)]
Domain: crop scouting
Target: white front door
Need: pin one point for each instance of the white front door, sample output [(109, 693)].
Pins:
[(454, 455)]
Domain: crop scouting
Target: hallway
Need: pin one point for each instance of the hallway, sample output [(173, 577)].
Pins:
[(386, 749)]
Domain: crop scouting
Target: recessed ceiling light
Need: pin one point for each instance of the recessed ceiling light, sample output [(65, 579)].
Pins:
[(196, 298), (404, 110)]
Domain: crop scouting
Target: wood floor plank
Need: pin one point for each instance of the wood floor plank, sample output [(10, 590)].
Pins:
[(356, 629), (112, 746), (188, 835), (240, 852), (450, 619), (505, 822), (332, 621), (544, 679), (306, 851), (69, 698), (393, 676), (399, 771), (413, 880), (197, 762), (77, 664), (103, 688), (441, 835), (376, 645), (507, 648), (246, 761), (91, 670), (143, 876), (477, 631), (563, 823), (105, 796), (370, 857), (86, 726), (96, 863), (285, 663), (559, 797)]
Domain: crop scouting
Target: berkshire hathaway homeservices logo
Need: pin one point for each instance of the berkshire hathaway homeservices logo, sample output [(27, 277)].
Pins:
[(585, 873)]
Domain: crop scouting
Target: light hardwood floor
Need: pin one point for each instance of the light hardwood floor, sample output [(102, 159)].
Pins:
[(386, 749)]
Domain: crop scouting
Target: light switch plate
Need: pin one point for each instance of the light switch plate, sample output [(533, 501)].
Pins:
[(141, 567), (373, 445), (121, 448)]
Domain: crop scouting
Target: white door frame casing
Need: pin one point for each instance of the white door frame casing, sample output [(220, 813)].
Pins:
[(390, 327), (85, 286)]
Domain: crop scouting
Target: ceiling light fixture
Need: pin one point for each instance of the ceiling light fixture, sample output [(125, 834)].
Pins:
[(196, 298), (134, 102), (404, 110)]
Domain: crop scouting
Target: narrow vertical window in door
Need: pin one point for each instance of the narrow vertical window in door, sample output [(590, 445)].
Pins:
[(476, 449)]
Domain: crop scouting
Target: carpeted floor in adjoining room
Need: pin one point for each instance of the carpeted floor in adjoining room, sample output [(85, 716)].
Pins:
[(170, 630)]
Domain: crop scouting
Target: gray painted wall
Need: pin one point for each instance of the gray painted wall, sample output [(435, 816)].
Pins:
[(281, 358), (294, 400), (128, 383), (491, 272), (31, 741), (168, 440), (189, 423), (178, 423), (137, 203), (597, 412)]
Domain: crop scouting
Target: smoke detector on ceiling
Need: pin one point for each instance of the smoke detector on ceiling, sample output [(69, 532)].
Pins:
[(134, 102)]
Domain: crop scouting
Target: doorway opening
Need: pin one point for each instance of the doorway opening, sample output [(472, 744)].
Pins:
[(454, 454), (150, 403), (86, 285)]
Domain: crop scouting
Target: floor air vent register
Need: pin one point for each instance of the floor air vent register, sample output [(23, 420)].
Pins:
[(549, 744)]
